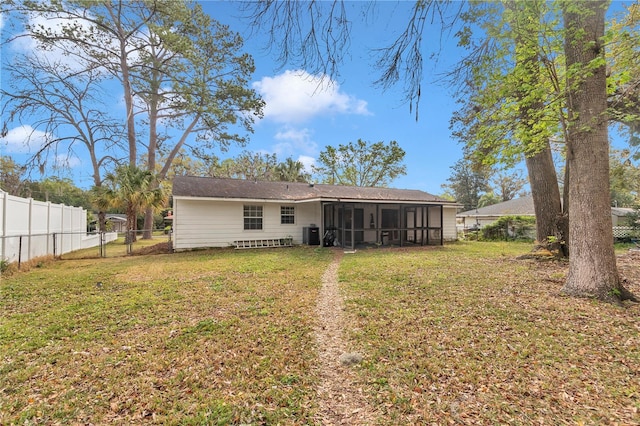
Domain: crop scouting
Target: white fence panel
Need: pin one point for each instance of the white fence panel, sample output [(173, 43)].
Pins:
[(38, 229), (66, 246), (16, 222), (93, 240), (17, 213), (78, 226), (30, 229), (3, 196)]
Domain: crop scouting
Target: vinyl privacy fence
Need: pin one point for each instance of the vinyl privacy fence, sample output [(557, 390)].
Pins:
[(31, 229)]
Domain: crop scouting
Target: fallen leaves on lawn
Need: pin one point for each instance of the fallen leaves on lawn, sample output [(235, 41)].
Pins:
[(461, 334), (454, 339), (216, 337)]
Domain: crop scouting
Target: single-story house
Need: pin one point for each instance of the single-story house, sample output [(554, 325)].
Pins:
[(482, 216), (214, 212), (477, 218), (116, 222), (618, 215)]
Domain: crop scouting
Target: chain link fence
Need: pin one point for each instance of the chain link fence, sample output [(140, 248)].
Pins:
[(82, 245)]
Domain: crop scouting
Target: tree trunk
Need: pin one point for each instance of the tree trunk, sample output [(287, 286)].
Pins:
[(154, 100), (540, 168), (102, 221), (147, 233), (132, 216), (546, 200), (128, 98), (592, 264)]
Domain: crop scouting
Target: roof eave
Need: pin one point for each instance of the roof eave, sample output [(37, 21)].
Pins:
[(316, 199)]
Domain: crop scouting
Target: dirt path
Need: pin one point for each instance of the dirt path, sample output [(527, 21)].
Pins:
[(341, 401)]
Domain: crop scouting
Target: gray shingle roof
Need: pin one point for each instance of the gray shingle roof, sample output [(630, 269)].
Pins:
[(522, 207), (621, 211), (519, 206), (191, 186)]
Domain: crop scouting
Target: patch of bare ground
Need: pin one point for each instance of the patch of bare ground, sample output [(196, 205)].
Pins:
[(628, 267), (160, 248), (341, 399)]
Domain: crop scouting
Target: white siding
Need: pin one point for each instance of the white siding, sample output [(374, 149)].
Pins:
[(449, 232), (201, 223), (216, 223)]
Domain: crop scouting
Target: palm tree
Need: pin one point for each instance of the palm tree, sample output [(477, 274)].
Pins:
[(129, 189), (292, 171)]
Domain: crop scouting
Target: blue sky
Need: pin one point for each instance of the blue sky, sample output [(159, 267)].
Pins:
[(301, 119)]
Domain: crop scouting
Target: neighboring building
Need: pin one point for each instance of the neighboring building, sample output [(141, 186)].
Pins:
[(618, 215), (477, 218), (116, 222), (212, 212)]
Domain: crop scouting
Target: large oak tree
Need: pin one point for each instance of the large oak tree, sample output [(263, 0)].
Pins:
[(592, 266), (510, 92), (183, 76)]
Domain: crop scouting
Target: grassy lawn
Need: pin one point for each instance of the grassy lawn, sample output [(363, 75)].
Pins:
[(464, 333), (117, 248), (468, 334), (215, 337)]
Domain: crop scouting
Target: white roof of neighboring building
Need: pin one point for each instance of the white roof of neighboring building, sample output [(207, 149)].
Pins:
[(523, 206)]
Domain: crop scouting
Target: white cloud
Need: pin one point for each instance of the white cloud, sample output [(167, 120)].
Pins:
[(19, 139), (66, 162), (56, 53), (297, 96), (27, 44), (292, 140), (308, 162)]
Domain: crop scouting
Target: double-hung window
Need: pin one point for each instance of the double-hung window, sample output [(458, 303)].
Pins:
[(252, 217), (287, 215)]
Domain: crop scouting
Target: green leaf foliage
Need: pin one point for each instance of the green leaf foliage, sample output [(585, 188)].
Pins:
[(467, 183), (623, 60), (624, 179), (361, 164), (510, 86), (510, 228), (181, 72), (130, 190)]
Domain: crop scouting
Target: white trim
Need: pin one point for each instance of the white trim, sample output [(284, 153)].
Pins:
[(319, 199), (496, 215)]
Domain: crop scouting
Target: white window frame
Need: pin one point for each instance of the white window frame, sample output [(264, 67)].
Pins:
[(255, 213), (287, 212)]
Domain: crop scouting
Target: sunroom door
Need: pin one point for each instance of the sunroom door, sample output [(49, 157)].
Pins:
[(390, 226), (347, 228)]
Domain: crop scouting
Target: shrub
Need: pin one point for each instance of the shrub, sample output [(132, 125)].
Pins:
[(4, 265), (633, 219), (510, 228)]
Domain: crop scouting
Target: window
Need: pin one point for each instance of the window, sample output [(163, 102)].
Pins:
[(252, 217), (287, 215)]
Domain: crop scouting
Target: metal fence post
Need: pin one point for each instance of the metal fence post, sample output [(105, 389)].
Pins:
[(19, 251), (54, 244)]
